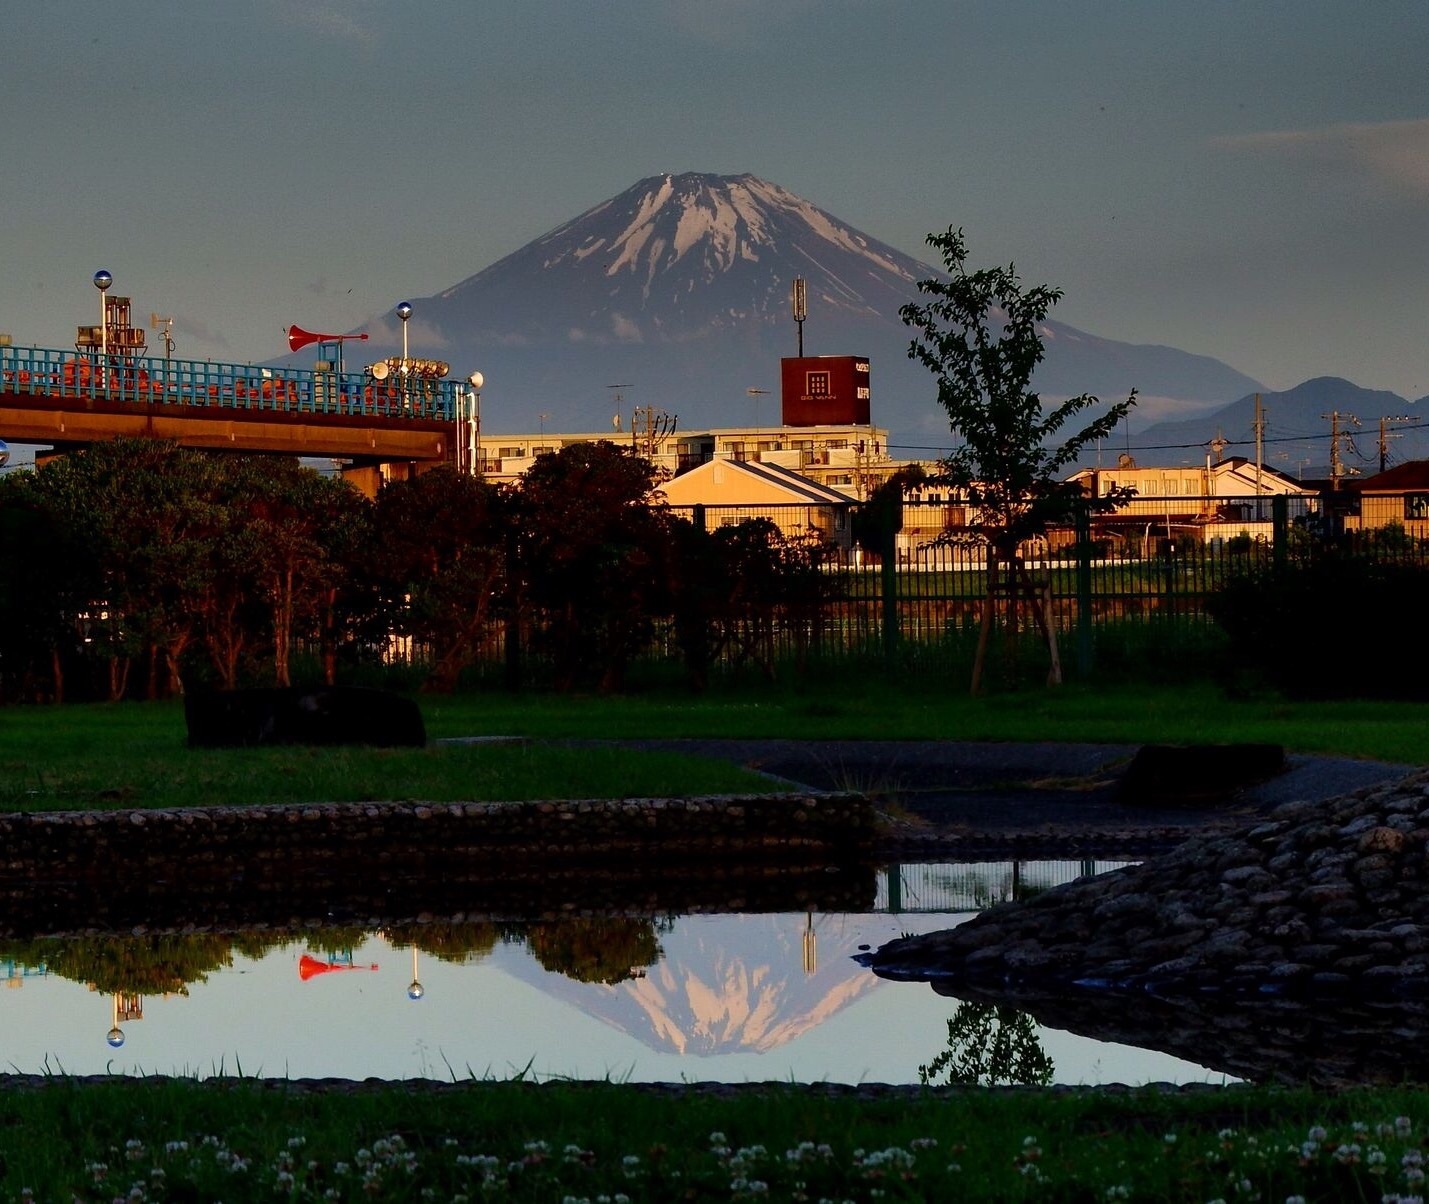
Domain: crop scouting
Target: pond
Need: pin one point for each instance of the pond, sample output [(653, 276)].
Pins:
[(732, 997)]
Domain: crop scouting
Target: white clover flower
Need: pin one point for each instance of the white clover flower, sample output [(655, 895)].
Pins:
[(1403, 1126), (1118, 1192), (718, 1138), (1169, 1139), (1317, 1133)]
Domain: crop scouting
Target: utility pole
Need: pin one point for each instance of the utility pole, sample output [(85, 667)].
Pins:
[(1259, 450), (1385, 437), (1336, 468)]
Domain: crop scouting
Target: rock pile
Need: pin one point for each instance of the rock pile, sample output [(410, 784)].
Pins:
[(1323, 898)]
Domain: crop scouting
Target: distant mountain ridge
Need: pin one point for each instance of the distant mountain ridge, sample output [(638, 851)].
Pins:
[(677, 291), (1298, 429)]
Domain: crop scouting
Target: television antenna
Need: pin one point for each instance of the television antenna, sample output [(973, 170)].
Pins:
[(166, 325), (619, 402)]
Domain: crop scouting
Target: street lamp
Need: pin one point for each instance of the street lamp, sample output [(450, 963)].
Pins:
[(415, 989), (404, 311), (102, 281), (476, 380)]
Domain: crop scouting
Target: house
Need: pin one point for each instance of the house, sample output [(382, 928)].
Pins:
[(730, 491), (852, 459), (1207, 504), (1399, 496)]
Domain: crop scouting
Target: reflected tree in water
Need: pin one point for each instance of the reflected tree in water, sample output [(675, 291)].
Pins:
[(592, 948), (989, 1046), (455, 943), (148, 965)]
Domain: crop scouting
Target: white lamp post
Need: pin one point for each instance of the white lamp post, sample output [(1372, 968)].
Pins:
[(476, 380), (404, 311), (102, 281)]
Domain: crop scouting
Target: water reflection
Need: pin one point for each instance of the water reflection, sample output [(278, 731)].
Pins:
[(732, 997)]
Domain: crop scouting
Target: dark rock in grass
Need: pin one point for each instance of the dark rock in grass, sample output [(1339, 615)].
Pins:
[(321, 715), (1175, 774)]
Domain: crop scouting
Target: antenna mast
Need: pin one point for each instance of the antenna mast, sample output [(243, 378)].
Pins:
[(799, 302)]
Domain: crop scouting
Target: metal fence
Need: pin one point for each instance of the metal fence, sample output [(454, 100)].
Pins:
[(912, 598), (920, 583)]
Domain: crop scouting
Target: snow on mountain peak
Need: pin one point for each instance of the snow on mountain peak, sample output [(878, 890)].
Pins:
[(705, 226)]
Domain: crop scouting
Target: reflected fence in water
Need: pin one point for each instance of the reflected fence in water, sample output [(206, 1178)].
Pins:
[(933, 887)]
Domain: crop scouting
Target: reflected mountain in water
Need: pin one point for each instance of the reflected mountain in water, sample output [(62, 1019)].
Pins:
[(726, 984)]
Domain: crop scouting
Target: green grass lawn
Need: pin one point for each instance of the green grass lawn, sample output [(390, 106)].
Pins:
[(872, 709), (148, 1140), (135, 755)]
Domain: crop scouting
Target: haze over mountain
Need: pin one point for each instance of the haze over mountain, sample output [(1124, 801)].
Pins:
[(675, 294)]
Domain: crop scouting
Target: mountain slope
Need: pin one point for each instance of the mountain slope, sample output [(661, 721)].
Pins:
[(678, 290)]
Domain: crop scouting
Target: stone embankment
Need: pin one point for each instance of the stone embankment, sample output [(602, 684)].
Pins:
[(1320, 898), (222, 866)]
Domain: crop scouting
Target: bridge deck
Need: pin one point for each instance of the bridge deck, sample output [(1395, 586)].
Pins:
[(49, 396)]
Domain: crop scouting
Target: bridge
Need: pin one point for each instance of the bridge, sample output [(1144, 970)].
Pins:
[(383, 429)]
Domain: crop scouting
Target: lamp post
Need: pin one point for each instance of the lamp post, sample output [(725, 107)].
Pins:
[(415, 989), (404, 311), (102, 281), (476, 380)]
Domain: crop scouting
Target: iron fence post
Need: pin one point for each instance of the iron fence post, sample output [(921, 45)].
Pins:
[(889, 524), (1083, 518), (1279, 529)]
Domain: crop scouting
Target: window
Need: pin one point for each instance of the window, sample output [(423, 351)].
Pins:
[(1416, 507), (818, 384)]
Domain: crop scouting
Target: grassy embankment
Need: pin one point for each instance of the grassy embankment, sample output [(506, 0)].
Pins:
[(240, 1140)]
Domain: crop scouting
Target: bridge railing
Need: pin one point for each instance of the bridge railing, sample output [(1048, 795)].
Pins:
[(45, 372)]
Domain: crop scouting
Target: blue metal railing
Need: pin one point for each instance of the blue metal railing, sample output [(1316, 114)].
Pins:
[(44, 372)]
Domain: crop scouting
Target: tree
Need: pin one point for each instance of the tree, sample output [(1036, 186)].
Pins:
[(302, 521), (145, 512), (439, 556), (594, 535), (990, 1046), (980, 335), (48, 579)]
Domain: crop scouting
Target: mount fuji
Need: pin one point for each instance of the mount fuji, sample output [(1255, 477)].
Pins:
[(675, 294)]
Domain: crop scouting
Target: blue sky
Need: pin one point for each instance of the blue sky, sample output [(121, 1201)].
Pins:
[(1245, 180)]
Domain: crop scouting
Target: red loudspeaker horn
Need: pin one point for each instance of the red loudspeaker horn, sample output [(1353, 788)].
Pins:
[(298, 338)]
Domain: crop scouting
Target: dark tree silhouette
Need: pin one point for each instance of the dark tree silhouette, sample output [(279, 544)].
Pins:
[(594, 534), (438, 552)]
